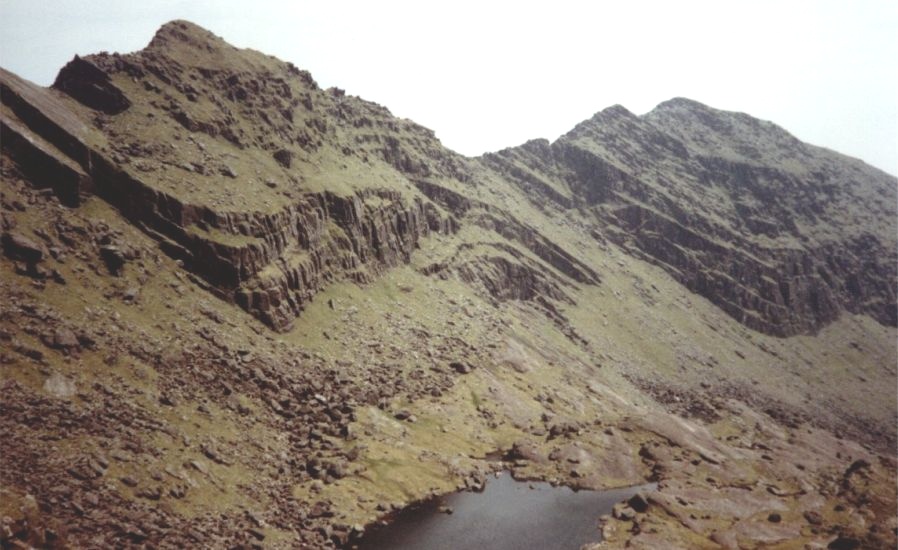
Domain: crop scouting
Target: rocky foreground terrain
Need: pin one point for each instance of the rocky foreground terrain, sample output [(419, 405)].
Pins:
[(239, 310)]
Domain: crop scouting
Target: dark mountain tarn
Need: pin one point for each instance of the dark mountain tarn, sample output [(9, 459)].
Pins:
[(506, 515)]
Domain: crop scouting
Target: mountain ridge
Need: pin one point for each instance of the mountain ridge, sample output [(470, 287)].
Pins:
[(604, 127)]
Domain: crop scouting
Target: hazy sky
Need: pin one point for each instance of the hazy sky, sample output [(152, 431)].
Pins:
[(487, 75)]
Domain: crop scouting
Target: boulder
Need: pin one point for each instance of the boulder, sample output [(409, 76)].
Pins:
[(813, 517), (844, 543), (283, 157), (562, 427), (461, 367), (59, 386), (525, 450), (19, 247), (113, 258), (62, 338), (623, 512), (639, 503)]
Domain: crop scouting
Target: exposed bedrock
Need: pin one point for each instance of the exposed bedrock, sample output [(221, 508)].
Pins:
[(495, 219), (271, 264), (752, 238), (270, 188), (91, 86), (776, 291), (333, 237)]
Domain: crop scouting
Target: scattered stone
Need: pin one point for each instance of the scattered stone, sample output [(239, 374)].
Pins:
[(59, 386), (461, 367), (813, 517), (150, 493), (857, 466), (639, 503), (338, 470), (213, 454), (96, 467), (623, 512), (19, 247), (559, 428), (167, 399), (133, 532), (120, 455), (63, 338), (57, 276), (526, 450), (283, 157), (113, 258), (321, 509), (199, 466), (844, 543)]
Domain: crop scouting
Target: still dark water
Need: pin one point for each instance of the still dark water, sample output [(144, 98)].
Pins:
[(507, 515)]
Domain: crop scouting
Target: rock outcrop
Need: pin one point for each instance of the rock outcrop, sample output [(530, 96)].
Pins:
[(768, 228), (271, 262), (269, 188)]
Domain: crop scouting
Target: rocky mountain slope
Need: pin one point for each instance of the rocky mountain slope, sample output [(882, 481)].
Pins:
[(241, 309)]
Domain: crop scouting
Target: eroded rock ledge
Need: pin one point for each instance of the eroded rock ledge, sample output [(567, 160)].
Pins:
[(766, 227), (781, 235), (271, 264)]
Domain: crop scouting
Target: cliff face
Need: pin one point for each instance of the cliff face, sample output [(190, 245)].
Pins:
[(268, 187), (781, 235), (269, 254)]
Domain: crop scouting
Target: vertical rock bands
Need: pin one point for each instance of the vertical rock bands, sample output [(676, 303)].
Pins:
[(781, 235)]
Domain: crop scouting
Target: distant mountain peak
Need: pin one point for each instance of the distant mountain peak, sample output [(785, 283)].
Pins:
[(683, 103), (184, 32), (616, 110)]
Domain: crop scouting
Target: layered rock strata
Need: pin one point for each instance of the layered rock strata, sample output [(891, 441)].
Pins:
[(768, 228), (268, 188), (270, 264)]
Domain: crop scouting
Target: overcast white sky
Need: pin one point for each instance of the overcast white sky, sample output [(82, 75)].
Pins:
[(487, 75)]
